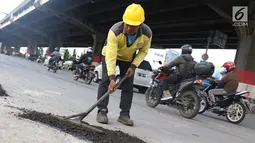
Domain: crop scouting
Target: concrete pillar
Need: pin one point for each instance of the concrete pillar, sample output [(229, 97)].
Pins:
[(31, 50), (54, 43), (2, 48), (16, 48), (245, 58), (99, 40), (8, 49)]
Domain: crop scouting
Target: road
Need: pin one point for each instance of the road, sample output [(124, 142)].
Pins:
[(32, 86)]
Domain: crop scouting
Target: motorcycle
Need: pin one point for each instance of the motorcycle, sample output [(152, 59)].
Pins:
[(74, 64), (87, 74), (185, 96), (53, 66), (233, 106)]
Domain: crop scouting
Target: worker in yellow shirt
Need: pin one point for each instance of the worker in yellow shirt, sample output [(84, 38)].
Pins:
[(127, 44)]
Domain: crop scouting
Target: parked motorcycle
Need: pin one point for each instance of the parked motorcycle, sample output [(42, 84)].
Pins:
[(53, 66), (233, 106), (185, 97), (87, 74)]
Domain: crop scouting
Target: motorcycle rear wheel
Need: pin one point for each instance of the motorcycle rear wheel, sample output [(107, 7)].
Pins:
[(241, 108), (196, 107)]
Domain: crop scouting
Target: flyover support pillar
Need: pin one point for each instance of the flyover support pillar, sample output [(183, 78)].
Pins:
[(16, 48), (9, 49), (54, 43), (99, 40), (2, 48), (245, 58), (31, 50)]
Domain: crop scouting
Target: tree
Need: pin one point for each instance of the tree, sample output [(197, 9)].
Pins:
[(66, 55)]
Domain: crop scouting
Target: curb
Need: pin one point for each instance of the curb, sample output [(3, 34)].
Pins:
[(252, 102), (253, 110)]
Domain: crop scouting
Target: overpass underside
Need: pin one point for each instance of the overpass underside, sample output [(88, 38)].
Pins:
[(71, 23), (82, 23)]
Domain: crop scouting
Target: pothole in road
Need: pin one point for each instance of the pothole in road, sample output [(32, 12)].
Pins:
[(80, 132)]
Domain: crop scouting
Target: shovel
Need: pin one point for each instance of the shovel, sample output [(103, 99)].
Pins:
[(79, 117)]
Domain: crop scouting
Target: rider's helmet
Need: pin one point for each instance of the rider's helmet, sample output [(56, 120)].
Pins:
[(228, 66), (89, 51), (134, 15), (56, 49), (186, 49)]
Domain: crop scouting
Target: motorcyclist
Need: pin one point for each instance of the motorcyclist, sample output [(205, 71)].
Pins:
[(182, 64), (85, 60), (229, 81), (55, 56)]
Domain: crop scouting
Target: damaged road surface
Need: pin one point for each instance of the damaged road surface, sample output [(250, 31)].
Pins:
[(78, 131), (32, 87)]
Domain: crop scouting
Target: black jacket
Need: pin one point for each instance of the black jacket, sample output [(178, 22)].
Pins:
[(180, 63), (85, 59)]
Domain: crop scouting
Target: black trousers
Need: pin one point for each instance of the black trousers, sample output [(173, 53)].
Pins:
[(126, 88), (171, 79)]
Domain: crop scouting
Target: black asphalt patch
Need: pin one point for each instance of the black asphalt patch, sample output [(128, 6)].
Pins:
[(2, 91), (109, 136)]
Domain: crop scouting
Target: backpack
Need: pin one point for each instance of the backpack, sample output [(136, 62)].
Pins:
[(189, 68), (86, 59)]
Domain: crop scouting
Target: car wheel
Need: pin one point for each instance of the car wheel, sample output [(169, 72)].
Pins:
[(142, 89)]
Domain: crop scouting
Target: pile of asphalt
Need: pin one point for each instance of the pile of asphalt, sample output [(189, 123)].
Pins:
[(2, 91), (80, 132)]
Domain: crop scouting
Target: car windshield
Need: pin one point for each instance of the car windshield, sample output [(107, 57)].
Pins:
[(145, 65)]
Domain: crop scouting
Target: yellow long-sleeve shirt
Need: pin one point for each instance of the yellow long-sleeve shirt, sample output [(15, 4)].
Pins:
[(116, 47)]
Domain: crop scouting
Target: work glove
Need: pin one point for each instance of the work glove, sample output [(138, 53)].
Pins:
[(130, 72), (112, 87)]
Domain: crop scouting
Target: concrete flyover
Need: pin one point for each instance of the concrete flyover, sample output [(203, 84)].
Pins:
[(67, 23), (80, 23)]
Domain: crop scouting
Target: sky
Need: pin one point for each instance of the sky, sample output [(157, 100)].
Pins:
[(229, 55), (7, 6)]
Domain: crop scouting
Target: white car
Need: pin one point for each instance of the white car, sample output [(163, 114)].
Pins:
[(67, 64), (142, 75)]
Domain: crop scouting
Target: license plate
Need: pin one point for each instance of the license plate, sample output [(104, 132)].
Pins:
[(142, 75)]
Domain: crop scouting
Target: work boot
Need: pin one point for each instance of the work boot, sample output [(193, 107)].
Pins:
[(102, 117), (126, 120)]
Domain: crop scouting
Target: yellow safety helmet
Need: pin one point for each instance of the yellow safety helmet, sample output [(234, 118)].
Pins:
[(134, 15)]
